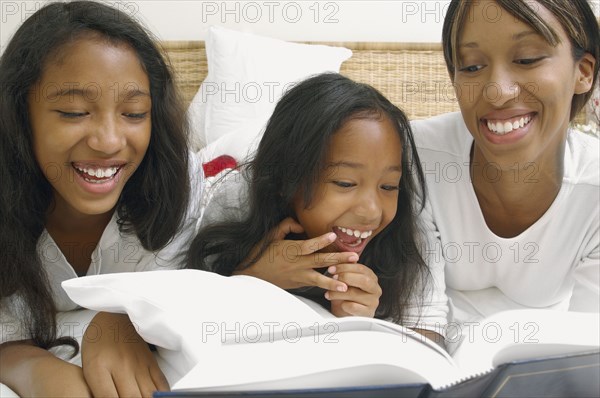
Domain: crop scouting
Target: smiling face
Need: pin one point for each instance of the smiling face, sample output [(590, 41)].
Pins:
[(91, 123), (356, 195), (514, 88)]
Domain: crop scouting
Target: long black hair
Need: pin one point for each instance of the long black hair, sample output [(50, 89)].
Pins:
[(153, 202), (289, 159)]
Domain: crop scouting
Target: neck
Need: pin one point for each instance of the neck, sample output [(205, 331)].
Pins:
[(70, 222), (76, 235), (512, 198)]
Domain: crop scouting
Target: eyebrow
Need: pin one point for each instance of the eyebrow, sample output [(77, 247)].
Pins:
[(93, 93), (354, 165), (515, 37)]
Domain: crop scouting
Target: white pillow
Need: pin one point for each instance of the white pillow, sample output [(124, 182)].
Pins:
[(185, 312), (247, 75)]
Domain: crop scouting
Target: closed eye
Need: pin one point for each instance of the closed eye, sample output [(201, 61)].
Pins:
[(136, 115), (390, 187), (72, 115), (528, 61), (344, 184)]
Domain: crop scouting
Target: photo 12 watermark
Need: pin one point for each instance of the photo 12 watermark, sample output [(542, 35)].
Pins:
[(254, 12), (19, 11)]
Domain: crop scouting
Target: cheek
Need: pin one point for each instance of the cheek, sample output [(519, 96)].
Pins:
[(389, 210)]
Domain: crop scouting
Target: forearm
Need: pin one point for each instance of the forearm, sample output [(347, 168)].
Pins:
[(32, 371)]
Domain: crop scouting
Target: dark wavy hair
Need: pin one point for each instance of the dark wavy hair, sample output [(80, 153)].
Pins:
[(153, 202), (289, 159), (575, 16)]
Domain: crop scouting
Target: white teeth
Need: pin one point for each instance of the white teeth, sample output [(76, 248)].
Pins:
[(502, 128), (99, 173), (356, 233)]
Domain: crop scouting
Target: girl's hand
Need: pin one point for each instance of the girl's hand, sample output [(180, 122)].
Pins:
[(291, 264), (31, 371), (362, 297), (116, 361)]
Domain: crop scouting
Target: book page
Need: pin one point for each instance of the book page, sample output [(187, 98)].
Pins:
[(525, 334), (320, 361)]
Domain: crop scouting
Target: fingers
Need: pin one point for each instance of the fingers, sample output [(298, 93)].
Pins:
[(362, 296), (159, 379), (124, 384), (101, 383), (352, 308), (287, 226), (127, 385), (356, 275), (326, 282)]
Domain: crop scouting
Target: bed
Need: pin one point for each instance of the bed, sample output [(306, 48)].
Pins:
[(411, 75)]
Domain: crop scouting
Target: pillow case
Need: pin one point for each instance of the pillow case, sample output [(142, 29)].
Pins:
[(247, 74), (186, 312)]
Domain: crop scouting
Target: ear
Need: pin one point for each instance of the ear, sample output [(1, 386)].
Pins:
[(584, 74)]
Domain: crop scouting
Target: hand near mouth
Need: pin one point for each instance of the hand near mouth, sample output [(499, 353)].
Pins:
[(292, 264)]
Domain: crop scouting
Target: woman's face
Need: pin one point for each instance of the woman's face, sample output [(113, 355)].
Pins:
[(356, 196), (514, 88), (91, 123)]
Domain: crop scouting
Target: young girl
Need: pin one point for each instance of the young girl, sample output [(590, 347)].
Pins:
[(94, 166), (337, 166)]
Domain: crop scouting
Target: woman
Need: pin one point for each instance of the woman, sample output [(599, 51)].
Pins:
[(513, 205)]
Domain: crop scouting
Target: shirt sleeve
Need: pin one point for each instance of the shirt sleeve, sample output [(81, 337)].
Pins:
[(224, 199), (586, 292)]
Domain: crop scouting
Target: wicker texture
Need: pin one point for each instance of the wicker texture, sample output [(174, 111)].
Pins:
[(412, 75)]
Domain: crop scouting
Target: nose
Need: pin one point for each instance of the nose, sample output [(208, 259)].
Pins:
[(501, 87), (369, 207), (106, 136)]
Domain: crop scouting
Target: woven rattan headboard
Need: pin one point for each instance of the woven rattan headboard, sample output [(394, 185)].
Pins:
[(413, 76)]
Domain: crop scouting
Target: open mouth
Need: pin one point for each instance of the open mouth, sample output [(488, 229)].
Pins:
[(502, 127), (351, 237), (98, 175)]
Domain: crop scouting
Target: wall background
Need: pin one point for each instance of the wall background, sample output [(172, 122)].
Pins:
[(304, 20), (300, 20)]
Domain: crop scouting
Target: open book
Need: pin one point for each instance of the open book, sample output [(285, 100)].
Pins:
[(243, 334)]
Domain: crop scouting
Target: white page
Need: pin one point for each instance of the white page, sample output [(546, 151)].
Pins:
[(526, 334), (297, 363)]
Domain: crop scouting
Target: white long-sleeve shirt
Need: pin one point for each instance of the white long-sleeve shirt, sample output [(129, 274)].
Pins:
[(115, 252), (553, 264)]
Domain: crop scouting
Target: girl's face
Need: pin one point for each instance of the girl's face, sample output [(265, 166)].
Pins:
[(90, 116), (514, 88), (357, 194)]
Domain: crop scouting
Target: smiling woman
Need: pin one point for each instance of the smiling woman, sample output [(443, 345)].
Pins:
[(95, 179), (517, 229)]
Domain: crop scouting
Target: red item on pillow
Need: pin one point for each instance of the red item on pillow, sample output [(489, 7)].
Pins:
[(218, 164)]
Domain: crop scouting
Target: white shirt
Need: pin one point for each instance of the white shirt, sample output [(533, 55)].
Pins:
[(115, 252), (553, 264)]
